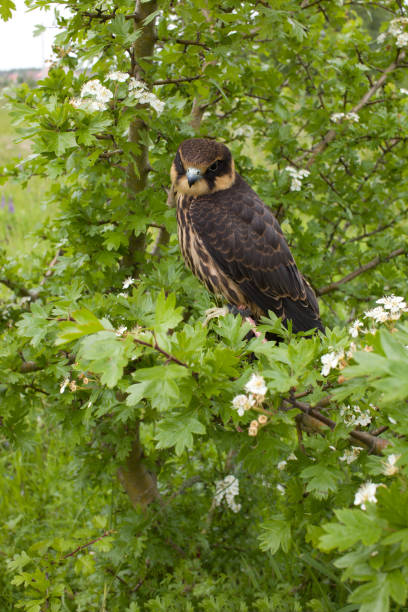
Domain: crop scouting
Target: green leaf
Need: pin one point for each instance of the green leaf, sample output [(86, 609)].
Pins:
[(105, 354), (178, 432), (6, 9), (167, 316), (373, 596), (85, 322), (353, 526), (276, 534)]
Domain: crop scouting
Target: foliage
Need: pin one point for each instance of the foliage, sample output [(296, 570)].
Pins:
[(118, 426)]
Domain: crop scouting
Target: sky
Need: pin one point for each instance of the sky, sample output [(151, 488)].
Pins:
[(18, 47)]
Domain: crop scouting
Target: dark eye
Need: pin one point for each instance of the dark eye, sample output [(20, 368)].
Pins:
[(213, 167)]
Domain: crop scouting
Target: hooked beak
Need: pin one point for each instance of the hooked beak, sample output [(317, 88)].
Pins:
[(193, 175)]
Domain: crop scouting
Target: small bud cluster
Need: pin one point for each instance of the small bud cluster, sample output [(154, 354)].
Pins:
[(227, 489), (297, 176), (340, 117)]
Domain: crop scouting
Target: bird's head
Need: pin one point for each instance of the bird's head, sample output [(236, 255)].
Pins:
[(202, 166)]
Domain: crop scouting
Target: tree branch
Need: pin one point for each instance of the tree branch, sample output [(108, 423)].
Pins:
[(368, 266), (374, 444), (331, 134)]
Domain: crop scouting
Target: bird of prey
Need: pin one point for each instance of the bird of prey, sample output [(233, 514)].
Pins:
[(231, 240)]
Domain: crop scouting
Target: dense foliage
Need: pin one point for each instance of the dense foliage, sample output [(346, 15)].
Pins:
[(135, 477)]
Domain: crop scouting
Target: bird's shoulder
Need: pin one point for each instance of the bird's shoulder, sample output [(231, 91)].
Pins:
[(238, 212)]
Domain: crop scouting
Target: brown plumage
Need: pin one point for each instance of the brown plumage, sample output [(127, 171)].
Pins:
[(232, 242)]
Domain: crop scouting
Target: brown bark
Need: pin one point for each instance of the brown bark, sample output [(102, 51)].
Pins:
[(138, 171), (137, 481)]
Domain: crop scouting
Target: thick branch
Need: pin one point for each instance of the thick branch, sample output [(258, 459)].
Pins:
[(138, 482), (368, 266), (370, 441)]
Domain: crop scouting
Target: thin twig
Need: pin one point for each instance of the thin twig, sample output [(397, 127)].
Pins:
[(368, 266)]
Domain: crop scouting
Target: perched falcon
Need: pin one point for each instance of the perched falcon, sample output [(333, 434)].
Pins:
[(232, 242)]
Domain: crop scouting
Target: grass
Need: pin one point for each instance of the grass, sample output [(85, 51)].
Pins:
[(22, 210)]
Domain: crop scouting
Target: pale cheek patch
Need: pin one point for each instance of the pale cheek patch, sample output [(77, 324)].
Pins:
[(199, 188)]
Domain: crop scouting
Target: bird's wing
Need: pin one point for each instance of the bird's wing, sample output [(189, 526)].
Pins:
[(247, 243)]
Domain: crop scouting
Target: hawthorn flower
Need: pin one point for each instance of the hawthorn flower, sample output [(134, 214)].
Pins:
[(330, 361), (352, 349), (353, 416), (121, 77), (404, 91), (292, 457), (365, 494), (96, 90), (87, 104), (127, 282), (139, 91), (123, 294), (280, 488), (256, 385), (390, 467), (402, 40), (378, 314), (350, 455), (353, 330), (64, 385), (339, 117), (242, 402), (281, 465), (262, 419), (393, 303), (121, 330), (227, 489), (297, 176)]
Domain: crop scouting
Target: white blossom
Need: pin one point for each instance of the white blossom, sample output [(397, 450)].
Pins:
[(353, 416), (281, 465), (64, 385), (402, 40), (366, 493), (353, 330), (281, 489), (292, 457), (227, 489), (339, 117), (351, 351), (121, 330), (96, 90), (139, 91), (390, 467), (297, 176), (256, 385), (378, 314), (350, 455), (381, 38), (121, 77), (242, 402), (88, 105), (394, 303), (127, 282), (123, 294), (330, 361), (404, 91)]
